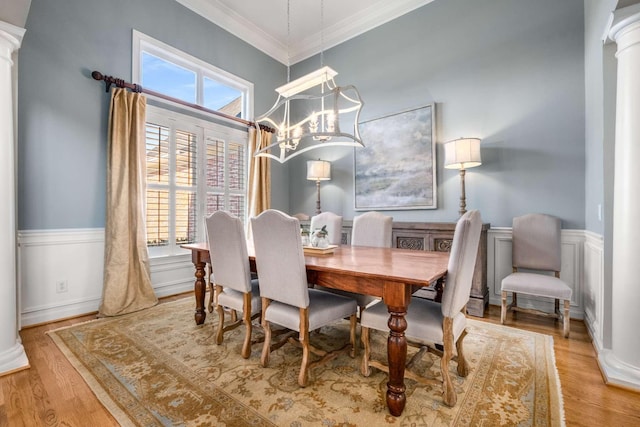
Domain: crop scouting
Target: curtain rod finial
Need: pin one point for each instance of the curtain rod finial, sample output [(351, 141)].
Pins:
[(97, 75)]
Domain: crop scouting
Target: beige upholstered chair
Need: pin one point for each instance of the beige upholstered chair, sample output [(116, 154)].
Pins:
[(430, 324), (536, 248), (301, 216), (286, 298), (234, 288), (372, 229), (333, 223), (369, 229)]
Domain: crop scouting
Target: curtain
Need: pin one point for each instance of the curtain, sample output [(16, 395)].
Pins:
[(127, 279), (259, 173)]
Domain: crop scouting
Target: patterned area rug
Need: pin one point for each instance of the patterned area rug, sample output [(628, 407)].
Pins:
[(158, 368)]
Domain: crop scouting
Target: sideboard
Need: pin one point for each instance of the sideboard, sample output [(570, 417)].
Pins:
[(438, 236)]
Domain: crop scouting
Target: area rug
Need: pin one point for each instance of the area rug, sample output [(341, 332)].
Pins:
[(158, 368)]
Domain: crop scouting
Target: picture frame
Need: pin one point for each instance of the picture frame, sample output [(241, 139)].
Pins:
[(396, 170)]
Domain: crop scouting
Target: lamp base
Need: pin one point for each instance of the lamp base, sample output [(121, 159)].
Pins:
[(463, 198)]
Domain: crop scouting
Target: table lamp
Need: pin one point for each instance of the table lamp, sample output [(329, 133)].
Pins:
[(318, 170), (462, 154)]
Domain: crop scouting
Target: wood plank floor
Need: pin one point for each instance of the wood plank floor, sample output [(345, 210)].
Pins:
[(52, 393)]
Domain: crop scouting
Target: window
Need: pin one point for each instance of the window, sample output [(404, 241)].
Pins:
[(164, 69), (194, 168), (195, 165)]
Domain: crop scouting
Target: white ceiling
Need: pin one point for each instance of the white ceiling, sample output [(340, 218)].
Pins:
[(263, 23)]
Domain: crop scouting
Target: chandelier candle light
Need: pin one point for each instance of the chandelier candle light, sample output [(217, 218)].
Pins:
[(318, 170), (463, 153), (310, 113)]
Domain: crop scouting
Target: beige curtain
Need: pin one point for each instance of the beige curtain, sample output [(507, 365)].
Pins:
[(259, 174), (127, 279)]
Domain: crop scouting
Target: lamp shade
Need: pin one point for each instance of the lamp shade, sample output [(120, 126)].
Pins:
[(463, 153), (318, 170)]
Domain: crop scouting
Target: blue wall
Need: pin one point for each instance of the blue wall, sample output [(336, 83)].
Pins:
[(508, 71), (62, 135)]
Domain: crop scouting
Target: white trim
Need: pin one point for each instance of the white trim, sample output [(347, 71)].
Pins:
[(77, 255), (617, 372), (378, 13)]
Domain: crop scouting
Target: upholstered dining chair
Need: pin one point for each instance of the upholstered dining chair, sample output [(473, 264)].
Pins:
[(536, 248), (369, 229), (429, 324), (287, 299), (234, 288), (333, 223), (372, 229)]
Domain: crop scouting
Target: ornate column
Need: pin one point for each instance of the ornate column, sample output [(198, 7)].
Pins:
[(12, 355), (621, 364)]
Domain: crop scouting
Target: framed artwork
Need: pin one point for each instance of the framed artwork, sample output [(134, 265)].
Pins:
[(397, 167)]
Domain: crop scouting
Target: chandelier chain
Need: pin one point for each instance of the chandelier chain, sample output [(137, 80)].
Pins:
[(288, 40), (321, 33)]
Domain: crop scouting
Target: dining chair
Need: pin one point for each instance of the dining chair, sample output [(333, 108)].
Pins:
[(287, 299), (369, 229), (434, 327), (536, 248), (234, 288), (333, 223), (372, 229)]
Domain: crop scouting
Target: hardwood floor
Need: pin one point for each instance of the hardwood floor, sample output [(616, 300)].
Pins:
[(52, 393)]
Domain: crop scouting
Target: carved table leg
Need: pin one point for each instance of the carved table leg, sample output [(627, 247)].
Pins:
[(200, 290), (397, 356)]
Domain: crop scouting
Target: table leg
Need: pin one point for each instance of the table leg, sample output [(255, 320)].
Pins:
[(199, 290), (397, 357)]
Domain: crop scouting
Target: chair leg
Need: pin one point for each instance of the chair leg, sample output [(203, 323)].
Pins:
[(210, 284), (503, 310), (463, 367), (266, 347), (365, 370), (566, 318), (449, 393), (353, 321), (246, 317), (304, 341), (220, 332)]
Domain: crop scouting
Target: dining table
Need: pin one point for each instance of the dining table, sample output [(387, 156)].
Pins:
[(388, 273)]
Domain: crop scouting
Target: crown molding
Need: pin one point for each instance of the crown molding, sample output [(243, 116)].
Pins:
[(351, 26), (239, 26)]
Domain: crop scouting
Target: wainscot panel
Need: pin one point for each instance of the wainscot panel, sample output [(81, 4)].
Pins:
[(60, 274)]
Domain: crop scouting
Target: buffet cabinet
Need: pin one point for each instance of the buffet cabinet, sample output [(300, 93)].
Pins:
[(438, 236)]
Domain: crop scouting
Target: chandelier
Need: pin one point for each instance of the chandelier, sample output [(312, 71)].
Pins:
[(312, 112)]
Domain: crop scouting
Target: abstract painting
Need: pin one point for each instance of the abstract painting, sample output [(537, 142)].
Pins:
[(396, 169)]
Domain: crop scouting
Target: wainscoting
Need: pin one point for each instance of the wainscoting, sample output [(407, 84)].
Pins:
[(75, 257), (60, 274)]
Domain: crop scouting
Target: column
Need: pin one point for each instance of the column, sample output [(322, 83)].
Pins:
[(621, 364), (12, 355)]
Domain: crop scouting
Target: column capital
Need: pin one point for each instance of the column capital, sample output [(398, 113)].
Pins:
[(12, 35), (622, 19)]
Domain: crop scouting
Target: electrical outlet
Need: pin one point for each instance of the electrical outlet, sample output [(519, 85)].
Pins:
[(61, 286)]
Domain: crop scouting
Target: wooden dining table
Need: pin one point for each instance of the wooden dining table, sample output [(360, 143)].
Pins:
[(388, 273)]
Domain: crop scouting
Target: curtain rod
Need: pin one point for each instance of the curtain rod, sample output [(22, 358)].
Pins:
[(109, 80)]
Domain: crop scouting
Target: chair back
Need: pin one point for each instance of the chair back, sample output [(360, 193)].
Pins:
[(536, 242), (333, 223), (280, 258), (372, 229), (462, 263), (228, 251)]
